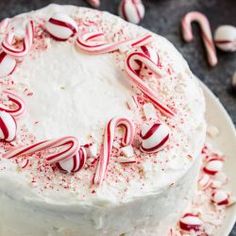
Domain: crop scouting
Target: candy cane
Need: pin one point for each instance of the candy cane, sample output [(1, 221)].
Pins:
[(206, 33), (7, 64), (17, 101), (3, 25), (75, 163), (94, 3), (71, 143), (151, 94), (8, 127), (106, 149), (7, 44), (93, 44)]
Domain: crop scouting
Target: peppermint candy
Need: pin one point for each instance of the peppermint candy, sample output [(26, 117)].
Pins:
[(137, 80), (206, 33), (106, 149), (154, 137), (213, 166), (204, 181), (75, 163), (61, 27), (95, 43), (64, 148), (94, 3), (221, 198), (132, 10), (190, 222), (16, 107), (8, 42), (7, 64), (8, 127), (225, 38)]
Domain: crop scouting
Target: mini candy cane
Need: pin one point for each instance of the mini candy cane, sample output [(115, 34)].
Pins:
[(61, 27), (71, 143), (8, 127), (94, 43), (18, 103), (3, 25), (154, 137), (8, 48), (75, 163), (94, 3), (7, 64), (106, 149), (206, 33), (151, 94), (190, 222), (132, 10)]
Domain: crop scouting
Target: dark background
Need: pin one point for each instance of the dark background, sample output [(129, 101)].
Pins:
[(163, 17)]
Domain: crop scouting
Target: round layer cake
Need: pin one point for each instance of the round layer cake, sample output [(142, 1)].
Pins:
[(101, 126)]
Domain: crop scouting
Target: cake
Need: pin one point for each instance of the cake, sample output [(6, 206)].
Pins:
[(101, 125)]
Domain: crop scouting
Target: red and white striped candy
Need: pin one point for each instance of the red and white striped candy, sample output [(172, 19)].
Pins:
[(66, 147), (17, 103), (8, 42), (7, 64), (75, 163), (95, 43), (150, 53), (150, 93), (206, 33), (213, 166), (190, 222), (4, 25), (94, 3), (8, 127), (154, 137), (106, 149), (225, 38), (204, 181), (220, 198), (61, 27), (132, 10)]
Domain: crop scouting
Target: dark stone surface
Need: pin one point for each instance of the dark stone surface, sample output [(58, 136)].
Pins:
[(163, 17)]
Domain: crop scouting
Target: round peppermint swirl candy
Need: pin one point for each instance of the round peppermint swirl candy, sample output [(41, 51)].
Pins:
[(132, 10), (7, 64), (8, 127), (154, 137), (75, 163), (225, 38), (61, 27)]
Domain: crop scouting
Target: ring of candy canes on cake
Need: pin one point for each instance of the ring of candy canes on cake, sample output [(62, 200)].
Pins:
[(95, 113)]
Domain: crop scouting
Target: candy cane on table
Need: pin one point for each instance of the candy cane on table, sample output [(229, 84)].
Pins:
[(106, 149), (8, 48), (71, 142), (206, 33), (151, 94), (94, 3), (94, 43), (17, 101)]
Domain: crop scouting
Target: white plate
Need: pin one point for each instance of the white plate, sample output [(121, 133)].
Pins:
[(226, 142)]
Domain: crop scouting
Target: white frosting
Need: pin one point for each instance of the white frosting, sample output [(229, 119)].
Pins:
[(76, 94)]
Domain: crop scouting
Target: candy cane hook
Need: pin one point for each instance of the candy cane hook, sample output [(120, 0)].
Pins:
[(18, 103), (106, 149), (152, 95), (9, 49), (206, 33)]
